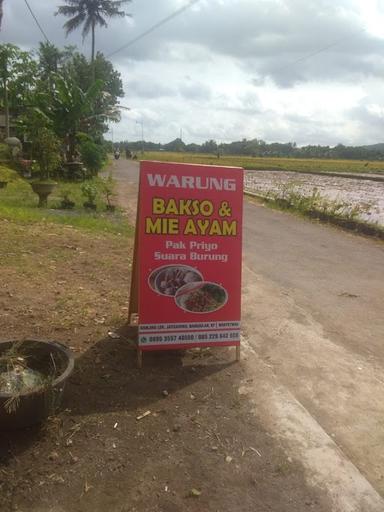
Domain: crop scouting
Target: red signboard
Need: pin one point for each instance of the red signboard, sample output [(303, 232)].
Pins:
[(189, 255)]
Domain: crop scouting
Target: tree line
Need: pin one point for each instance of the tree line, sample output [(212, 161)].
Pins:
[(260, 148), (57, 100), (59, 96)]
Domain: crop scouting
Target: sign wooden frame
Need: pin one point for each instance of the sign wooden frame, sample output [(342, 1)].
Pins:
[(134, 301)]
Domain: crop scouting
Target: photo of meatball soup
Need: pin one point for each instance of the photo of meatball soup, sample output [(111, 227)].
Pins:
[(167, 280)]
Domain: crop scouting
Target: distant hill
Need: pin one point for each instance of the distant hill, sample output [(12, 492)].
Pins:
[(375, 147)]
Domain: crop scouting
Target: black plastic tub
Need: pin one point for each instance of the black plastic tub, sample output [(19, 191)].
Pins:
[(55, 363)]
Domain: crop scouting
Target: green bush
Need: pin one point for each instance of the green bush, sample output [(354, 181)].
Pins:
[(67, 202), (92, 156), (46, 150), (90, 192)]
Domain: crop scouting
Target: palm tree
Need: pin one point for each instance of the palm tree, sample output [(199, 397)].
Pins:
[(90, 13)]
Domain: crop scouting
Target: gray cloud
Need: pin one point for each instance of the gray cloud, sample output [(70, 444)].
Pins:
[(228, 69), (368, 120), (336, 64), (245, 29), (266, 37), (148, 87), (195, 91)]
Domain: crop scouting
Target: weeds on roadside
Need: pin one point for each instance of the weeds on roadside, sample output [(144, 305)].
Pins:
[(287, 196), (107, 189)]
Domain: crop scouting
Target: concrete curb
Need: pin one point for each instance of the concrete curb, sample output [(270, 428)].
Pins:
[(304, 440)]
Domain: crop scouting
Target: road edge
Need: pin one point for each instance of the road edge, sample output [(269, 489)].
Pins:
[(303, 439)]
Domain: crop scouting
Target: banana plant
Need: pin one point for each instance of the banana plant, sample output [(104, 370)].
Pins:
[(70, 108)]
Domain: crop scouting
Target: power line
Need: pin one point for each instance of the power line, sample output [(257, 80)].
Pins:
[(37, 21), (320, 50), (154, 27)]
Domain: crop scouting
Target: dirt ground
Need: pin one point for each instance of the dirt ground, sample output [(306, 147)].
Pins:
[(199, 448)]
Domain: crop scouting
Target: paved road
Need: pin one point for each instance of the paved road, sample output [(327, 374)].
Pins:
[(314, 316), (336, 276), (317, 320)]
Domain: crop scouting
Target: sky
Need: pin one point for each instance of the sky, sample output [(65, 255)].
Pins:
[(304, 71)]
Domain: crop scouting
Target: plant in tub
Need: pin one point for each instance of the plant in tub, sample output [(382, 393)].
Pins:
[(32, 378)]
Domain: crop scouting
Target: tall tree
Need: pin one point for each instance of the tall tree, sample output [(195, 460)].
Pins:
[(17, 80), (50, 58), (90, 13)]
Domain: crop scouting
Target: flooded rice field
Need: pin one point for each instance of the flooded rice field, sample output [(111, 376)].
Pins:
[(366, 194)]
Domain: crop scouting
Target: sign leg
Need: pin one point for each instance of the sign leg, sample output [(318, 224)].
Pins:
[(139, 358), (237, 352)]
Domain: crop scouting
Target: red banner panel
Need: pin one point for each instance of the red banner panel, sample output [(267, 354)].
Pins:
[(189, 250)]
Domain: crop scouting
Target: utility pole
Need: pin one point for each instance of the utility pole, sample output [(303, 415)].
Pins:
[(142, 135), (4, 71), (6, 108)]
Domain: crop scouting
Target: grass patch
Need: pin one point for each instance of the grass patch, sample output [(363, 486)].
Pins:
[(19, 203), (266, 163), (111, 223)]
